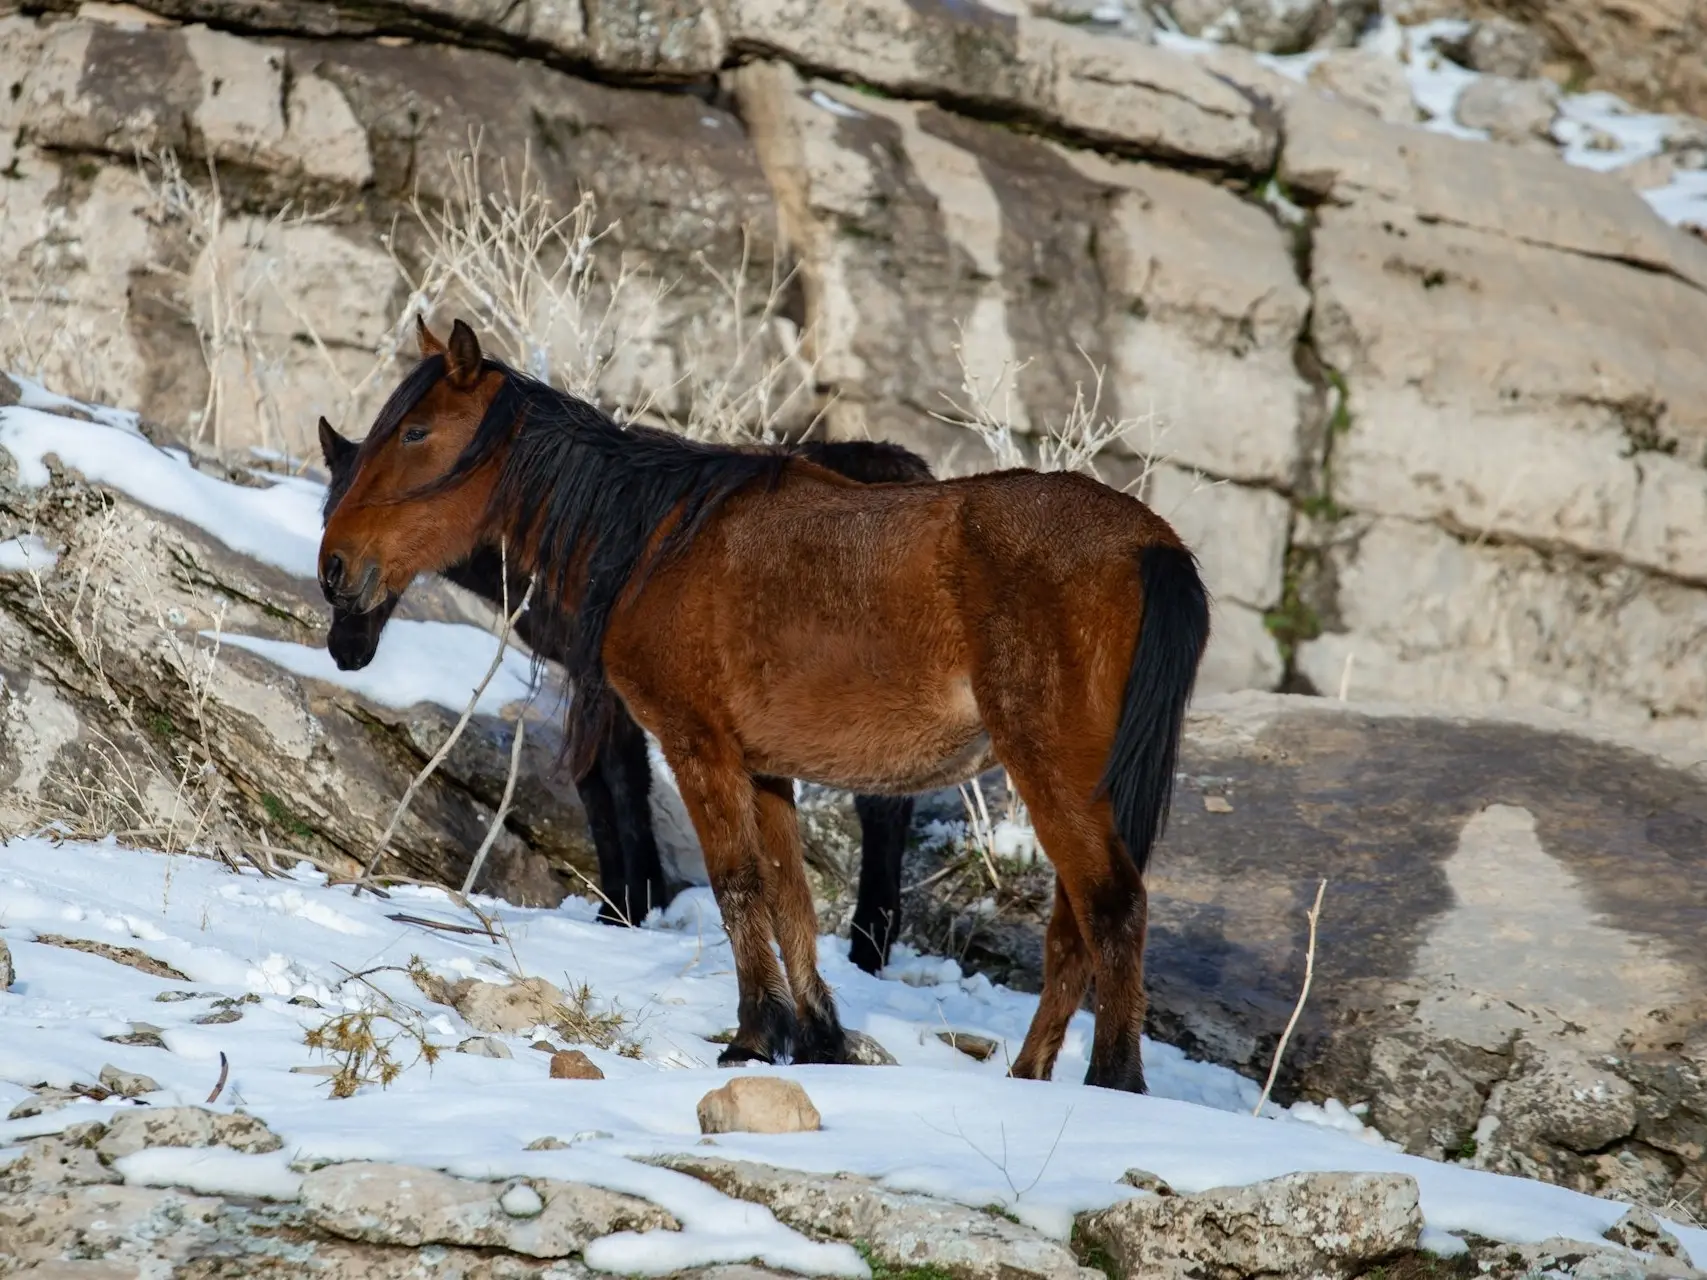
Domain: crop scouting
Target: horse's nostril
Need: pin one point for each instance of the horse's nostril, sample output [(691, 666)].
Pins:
[(333, 573)]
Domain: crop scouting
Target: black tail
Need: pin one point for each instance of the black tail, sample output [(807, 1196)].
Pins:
[(1139, 778)]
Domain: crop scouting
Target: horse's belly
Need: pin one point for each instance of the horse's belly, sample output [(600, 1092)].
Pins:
[(878, 755)]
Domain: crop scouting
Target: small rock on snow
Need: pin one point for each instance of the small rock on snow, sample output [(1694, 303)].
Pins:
[(484, 1047), (863, 1051), (978, 1048), (758, 1104), (1144, 1180), (128, 1084), (572, 1064), (507, 1008), (6, 972)]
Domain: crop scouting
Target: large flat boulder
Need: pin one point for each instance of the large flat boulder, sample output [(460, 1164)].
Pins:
[(1507, 970)]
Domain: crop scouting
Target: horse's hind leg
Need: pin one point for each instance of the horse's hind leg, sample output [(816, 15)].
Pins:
[(1066, 974), (606, 828), (722, 800), (884, 822), (794, 920), (1108, 905), (1109, 902), (630, 779)]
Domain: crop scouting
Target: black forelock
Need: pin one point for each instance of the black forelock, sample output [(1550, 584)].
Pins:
[(404, 397)]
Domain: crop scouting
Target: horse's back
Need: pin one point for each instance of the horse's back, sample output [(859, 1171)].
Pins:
[(842, 631)]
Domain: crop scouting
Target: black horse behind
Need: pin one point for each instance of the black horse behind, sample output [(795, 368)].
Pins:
[(616, 791)]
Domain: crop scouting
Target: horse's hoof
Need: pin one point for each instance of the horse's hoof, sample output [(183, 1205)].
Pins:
[(864, 954), (736, 1056)]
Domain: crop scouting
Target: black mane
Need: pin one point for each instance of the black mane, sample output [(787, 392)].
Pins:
[(587, 496)]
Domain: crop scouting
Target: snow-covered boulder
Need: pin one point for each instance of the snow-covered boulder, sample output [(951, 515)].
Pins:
[(162, 645)]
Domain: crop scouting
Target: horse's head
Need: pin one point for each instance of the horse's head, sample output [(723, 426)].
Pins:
[(353, 638), (412, 497)]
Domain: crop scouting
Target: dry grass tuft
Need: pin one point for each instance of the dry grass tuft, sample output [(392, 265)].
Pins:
[(584, 1019), (370, 1044)]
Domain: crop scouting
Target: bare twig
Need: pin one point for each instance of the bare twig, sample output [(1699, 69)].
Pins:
[(446, 925), (224, 1071), (503, 812), (1001, 1166), (602, 896), (982, 829), (475, 867), (1315, 915), (419, 780)]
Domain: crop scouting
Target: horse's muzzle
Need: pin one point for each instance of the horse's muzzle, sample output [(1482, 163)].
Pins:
[(353, 595)]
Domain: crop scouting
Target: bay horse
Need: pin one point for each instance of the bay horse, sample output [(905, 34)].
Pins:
[(766, 619), (616, 790)]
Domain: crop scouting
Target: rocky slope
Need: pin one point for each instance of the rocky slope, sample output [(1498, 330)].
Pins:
[(113, 1196)]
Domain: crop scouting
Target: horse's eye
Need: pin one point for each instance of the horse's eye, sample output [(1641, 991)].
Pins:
[(414, 435)]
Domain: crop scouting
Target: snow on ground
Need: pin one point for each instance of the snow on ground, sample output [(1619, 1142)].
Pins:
[(278, 525), (939, 1123), (26, 553), (32, 395), (417, 662)]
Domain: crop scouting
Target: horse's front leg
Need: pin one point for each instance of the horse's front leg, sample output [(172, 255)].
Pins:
[(794, 923), (721, 798)]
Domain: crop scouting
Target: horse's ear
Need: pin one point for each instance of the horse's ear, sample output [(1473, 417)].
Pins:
[(430, 346), (334, 447), (462, 356)]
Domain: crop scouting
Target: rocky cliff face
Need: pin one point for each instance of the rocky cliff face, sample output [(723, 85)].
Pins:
[(1428, 406)]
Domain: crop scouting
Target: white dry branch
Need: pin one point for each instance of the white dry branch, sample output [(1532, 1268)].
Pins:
[(221, 294), (431, 767), (746, 379), (1074, 443), (981, 830), (526, 271), (503, 812), (1314, 916)]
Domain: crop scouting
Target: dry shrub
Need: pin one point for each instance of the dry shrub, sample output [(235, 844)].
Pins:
[(371, 1043)]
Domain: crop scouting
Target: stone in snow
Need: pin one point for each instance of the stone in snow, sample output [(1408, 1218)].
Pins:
[(758, 1104)]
